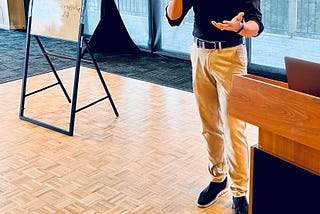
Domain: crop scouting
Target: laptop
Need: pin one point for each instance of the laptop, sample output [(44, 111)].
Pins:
[(303, 76)]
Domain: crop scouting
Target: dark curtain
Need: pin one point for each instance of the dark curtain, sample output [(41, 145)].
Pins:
[(111, 35), (154, 42)]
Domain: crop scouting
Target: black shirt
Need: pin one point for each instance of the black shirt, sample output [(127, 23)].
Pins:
[(206, 11)]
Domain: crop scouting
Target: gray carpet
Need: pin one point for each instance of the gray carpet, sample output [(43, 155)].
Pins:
[(162, 70)]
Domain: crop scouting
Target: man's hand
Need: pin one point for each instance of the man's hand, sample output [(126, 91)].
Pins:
[(174, 9), (234, 25)]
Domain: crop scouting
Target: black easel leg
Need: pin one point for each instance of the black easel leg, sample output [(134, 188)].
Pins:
[(44, 53), (25, 72), (76, 80), (101, 78)]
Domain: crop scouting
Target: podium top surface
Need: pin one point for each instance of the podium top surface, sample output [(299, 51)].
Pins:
[(270, 105)]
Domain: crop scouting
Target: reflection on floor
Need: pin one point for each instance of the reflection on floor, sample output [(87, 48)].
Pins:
[(151, 159)]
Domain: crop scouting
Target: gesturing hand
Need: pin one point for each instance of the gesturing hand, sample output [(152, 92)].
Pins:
[(234, 25)]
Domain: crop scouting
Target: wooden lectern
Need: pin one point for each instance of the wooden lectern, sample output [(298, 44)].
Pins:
[(285, 165)]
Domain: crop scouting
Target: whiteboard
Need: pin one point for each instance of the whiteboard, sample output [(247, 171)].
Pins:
[(56, 18)]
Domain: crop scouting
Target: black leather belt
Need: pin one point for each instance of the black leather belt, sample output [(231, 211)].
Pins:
[(217, 44)]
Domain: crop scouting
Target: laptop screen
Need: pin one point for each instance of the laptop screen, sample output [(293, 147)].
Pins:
[(303, 76)]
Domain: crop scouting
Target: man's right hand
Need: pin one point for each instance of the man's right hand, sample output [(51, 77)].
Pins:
[(174, 9)]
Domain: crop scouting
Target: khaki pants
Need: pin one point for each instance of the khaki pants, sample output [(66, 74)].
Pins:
[(224, 134)]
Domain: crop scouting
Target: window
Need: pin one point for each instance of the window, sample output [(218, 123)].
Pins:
[(176, 39), (92, 15), (134, 14), (292, 28)]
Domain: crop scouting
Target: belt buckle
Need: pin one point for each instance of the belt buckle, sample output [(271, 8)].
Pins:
[(206, 44), (201, 44), (214, 45)]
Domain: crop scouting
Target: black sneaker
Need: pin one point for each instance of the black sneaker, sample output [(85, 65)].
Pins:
[(211, 193), (240, 204)]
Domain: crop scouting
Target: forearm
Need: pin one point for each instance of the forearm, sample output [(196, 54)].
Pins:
[(174, 9), (251, 29)]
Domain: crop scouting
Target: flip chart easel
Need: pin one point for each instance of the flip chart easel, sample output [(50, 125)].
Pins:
[(61, 19)]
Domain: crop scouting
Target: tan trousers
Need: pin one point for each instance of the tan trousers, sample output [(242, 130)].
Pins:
[(224, 134)]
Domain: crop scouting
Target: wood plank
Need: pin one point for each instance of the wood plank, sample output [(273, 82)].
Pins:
[(152, 159), (273, 107), (290, 150)]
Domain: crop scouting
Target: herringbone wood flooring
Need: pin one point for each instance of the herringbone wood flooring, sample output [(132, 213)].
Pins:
[(151, 159)]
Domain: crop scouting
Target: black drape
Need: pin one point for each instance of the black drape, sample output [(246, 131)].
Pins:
[(111, 35), (154, 42)]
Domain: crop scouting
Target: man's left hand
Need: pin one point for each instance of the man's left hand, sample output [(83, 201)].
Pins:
[(234, 25)]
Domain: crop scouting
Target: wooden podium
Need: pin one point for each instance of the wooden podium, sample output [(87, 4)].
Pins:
[(285, 165)]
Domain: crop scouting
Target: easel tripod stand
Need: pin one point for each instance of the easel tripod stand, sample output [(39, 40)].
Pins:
[(83, 47)]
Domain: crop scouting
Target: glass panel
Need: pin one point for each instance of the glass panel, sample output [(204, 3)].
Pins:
[(292, 28), (177, 39), (92, 15), (134, 14)]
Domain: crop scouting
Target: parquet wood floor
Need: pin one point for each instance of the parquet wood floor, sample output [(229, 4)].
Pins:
[(151, 159)]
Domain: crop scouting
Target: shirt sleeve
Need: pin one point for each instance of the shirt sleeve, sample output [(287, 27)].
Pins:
[(187, 4), (252, 12)]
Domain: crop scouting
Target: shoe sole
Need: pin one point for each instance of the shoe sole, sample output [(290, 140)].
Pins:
[(214, 200)]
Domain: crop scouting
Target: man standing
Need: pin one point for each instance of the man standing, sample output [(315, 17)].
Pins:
[(219, 52)]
